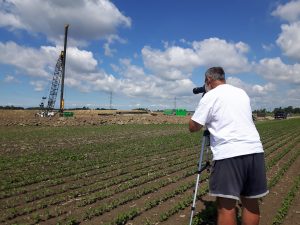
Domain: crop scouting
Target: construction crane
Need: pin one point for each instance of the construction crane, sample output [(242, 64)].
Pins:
[(58, 78), (55, 82)]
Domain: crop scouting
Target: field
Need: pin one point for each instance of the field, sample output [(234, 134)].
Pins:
[(130, 174), (86, 118)]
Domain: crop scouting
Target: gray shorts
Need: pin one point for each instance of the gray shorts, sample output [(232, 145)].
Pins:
[(239, 176)]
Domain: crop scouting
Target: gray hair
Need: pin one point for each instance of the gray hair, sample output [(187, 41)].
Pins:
[(216, 73)]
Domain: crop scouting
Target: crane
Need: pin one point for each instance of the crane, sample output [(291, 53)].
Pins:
[(58, 78), (55, 82)]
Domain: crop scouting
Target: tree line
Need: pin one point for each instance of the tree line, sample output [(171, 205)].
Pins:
[(37, 108), (288, 110)]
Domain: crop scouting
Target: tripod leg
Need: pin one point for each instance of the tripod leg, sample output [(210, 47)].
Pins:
[(198, 178)]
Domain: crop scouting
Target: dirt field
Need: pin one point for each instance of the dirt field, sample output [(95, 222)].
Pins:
[(75, 171), (87, 117)]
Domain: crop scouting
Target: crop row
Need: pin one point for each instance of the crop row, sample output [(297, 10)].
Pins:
[(187, 201), (274, 180), (108, 173), (284, 136), (81, 168), (58, 181), (96, 211), (121, 172), (49, 138), (288, 200), (92, 185), (164, 216), (287, 148), (83, 159), (124, 217), (104, 194), (89, 200)]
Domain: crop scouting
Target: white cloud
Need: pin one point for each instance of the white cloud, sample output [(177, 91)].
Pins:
[(41, 62), (91, 81), (293, 96), (230, 56), (130, 71), (177, 63), (285, 76), (108, 51), (289, 11), (32, 61), (10, 79), (289, 40), (263, 89), (89, 20), (81, 69), (262, 96), (166, 72), (171, 69), (275, 70), (137, 83), (39, 85), (81, 60), (172, 64), (252, 89), (134, 82), (268, 47)]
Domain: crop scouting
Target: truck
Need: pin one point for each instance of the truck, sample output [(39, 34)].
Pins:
[(280, 115)]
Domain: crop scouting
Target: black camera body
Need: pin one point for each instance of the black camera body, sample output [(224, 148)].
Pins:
[(199, 90)]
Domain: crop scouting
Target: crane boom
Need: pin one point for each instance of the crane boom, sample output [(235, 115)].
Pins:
[(58, 79), (62, 101), (55, 82)]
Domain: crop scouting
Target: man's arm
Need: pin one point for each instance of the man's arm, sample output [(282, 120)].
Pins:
[(194, 126)]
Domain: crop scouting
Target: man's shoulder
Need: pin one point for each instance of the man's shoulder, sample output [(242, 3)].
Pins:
[(231, 88), (223, 91)]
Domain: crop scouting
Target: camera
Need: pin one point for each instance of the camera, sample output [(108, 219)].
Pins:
[(198, 90)]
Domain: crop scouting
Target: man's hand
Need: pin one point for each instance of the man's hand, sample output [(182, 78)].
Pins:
[(193, 126)]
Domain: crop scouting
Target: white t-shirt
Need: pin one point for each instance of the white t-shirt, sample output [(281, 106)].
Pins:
[(226, 113)]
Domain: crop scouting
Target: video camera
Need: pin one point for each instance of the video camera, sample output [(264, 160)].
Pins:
[(198, 90)]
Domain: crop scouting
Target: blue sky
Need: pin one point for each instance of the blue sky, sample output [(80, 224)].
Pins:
[(149, 53)]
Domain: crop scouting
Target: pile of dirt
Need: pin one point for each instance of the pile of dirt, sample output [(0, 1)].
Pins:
[(87, 117)]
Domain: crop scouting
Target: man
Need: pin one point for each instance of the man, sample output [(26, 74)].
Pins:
[(238, 171)]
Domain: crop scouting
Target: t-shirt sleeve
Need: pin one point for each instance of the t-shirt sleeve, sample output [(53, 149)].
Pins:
[(202, 112)]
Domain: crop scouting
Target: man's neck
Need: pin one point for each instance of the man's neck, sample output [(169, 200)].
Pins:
[(216, 83)]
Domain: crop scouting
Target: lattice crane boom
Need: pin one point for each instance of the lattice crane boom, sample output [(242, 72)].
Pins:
[(58, 80), (55, 82)]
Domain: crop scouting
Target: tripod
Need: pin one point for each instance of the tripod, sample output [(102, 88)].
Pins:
[(205, 145)]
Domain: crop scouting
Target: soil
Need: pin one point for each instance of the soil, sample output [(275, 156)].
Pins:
[(23, 118), (272, 201), (88, 117), (293, 216)]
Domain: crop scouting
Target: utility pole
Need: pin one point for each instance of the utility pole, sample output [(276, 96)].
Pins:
[(61, 108), (175, 104), (110, 100)]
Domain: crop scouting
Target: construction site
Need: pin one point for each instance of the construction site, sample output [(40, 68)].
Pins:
[(125, 166), (48, 114)]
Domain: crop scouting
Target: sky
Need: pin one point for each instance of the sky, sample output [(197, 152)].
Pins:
[(129, 54)]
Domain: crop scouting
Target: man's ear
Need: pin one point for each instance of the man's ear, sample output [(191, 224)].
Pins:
[(209, 80)]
